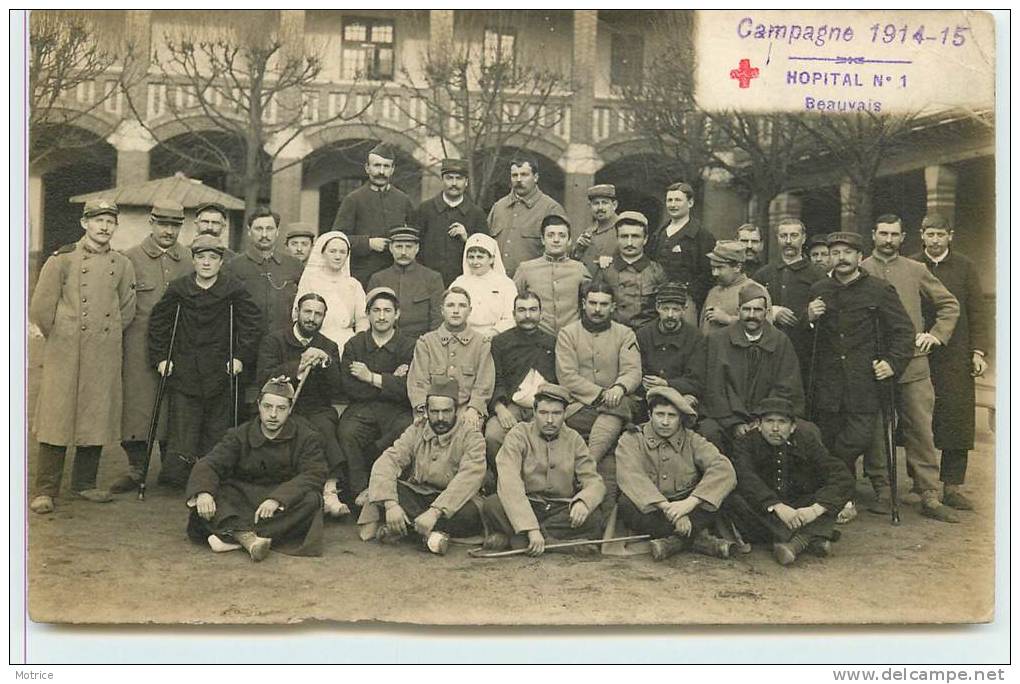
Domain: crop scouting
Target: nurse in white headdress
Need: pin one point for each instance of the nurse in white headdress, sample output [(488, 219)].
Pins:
[(328, 273), (485, 280)]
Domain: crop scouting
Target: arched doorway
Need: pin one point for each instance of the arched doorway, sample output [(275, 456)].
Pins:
[(640, 181), (551, 179)]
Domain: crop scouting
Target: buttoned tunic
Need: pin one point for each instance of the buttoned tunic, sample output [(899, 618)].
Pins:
[(82, 302), (516, 223), (636, 285), (367, 213), (557, 283), (532, 467), (420, 291), (439, 251), (603, 243), (652, 470), (272, 281), (589, 362), (463, 356), (677, 357), (154, 269)]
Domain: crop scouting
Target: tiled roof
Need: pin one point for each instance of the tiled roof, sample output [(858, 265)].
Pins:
[(189, 192)]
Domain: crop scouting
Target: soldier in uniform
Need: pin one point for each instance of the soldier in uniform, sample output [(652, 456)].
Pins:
[(553, 277), (599, 238), (419, 288), (84, 299), (157, 261), (634, 276), (298, 240)]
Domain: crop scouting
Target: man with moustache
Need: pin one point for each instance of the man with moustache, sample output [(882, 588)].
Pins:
[(599, 238), (429, 479), (749, 235), (553, 277), (788, 486), (447, 220), (258, 488), (157, 261), (374, 378), (366, 214), (298, 240), (516, 219), (818, 251), (630, 272), (524, 357), (302, 350), (846, 396), (80, 390), (419, 289), (722, 303), (548, 489), (915, 395), (211, 219), (455, 351), (954, 365), (746, 362)]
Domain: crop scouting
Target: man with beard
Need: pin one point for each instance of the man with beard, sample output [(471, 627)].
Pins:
[(374, 378), (789, 283), (553, 277), (298, 240), (516, 219), (955, 365), (455, 351), (749, 235), (818, 252), (788, 486), (548, 489), (211, 219), (599, 362), (846, 307), (260, 485), (419, 289), (302, 350), (200, 370), (447, 220), (599, 238), (524, 357), (366, 214), (746, 362), (634, 276), (158, 260), (428, 479), (672, 480), (915, 395)]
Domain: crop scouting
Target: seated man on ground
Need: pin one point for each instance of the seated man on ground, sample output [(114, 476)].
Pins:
[(262, 483), (672, 479)]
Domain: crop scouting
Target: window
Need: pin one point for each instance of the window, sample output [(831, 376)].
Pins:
[(627, 63), (367, 49), (498, 46)]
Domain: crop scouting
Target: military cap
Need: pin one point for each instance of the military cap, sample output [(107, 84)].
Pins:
[(728, 251), (384, 150), (95, 207), (548, 390), (377, 292), (847, 238), (672, 292), (454, 166), (749, 292), (280, 386), (936, 221), (674, 397), (206, 243), (607, 190), (404, 233), (444, 386), (168, 211), (631, 218), (554, 220), (783, 407), (211, 206), (299, 229), (819, 239)]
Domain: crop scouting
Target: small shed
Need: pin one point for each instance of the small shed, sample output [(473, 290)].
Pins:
[(135, 201)]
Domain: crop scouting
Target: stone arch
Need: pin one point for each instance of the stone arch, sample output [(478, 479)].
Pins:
[(640, 178), (620, 148), (180, 150)]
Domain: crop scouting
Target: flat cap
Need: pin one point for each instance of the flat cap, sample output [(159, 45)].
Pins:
[(672, 292), (818, 239), (936, 221), (847, 238), (607, 190), (280, 386), (299, 229), (404, 233), (96, 207), (728, 251), (630, 218), (211, 206), (206, 243), (783, 407), (548, 390), (444, 386), (455, 166), (384, 150), (749, 292), (674, 397), (167, 211), (377, 292)]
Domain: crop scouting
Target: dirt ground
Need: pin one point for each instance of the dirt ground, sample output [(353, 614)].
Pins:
[(131, 562)]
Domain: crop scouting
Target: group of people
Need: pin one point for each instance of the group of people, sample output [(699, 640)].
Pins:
[(442, 373)]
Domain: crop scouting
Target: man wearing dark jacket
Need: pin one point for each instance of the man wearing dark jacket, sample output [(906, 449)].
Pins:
[(419, 289)]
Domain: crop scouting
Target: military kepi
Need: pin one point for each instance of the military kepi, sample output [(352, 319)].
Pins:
[(206, 243), (377, 292), (454, 166), (96, 207), (777, 405), (846, 238), (168, 211), (728, 252), (672, 292), (548, 390), (606, 190), (300, 229), (404, 233)]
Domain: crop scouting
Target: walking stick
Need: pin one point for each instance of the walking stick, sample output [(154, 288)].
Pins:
[(234, 390), (478, 553), (811, 372), (887, 397), (150, 438), (302, 376)]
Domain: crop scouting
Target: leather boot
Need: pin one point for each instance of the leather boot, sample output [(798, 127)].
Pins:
[(882, 505), (668, 546), (256, 546), (932, 508), (954, 498), (787, 552), (708, 544)]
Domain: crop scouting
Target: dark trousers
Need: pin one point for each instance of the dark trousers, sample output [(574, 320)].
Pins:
[(51, 468), (365, 430), (846, 435), (234, 513), (136, 457), (953, 469), (758, 525), (553, 520), (714, 432), (466, 522), (195, 425), (325, 422), (655, 522)]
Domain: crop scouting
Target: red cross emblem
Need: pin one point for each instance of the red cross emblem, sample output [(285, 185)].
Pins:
[(744, 73)]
